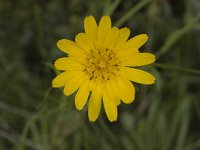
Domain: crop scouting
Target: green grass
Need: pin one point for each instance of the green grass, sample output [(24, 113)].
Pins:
[(164, 116)]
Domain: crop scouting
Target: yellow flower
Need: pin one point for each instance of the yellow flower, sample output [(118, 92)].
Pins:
[(99, 65)]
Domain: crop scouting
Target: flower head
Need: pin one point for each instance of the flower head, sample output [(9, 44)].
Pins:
[(99, 66)]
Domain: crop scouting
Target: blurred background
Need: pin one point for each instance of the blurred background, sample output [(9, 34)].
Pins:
[(164, 116)]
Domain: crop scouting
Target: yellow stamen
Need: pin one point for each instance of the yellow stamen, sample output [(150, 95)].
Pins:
[(102, 65)]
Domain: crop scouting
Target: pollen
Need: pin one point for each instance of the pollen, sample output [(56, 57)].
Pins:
[(102, 65)]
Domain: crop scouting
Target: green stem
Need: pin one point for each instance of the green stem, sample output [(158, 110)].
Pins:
[(177, 35), (111, 8), (186, 70), (45, 98), (132, 12)]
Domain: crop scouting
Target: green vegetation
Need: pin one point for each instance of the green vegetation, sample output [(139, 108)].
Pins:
[(164, 116)]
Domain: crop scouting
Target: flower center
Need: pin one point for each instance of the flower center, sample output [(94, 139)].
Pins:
[(102, 65)]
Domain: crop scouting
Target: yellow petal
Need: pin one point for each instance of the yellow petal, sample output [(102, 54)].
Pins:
[(138, 76), (62, 78), (123, 36), (104, 27), (90, 27), (112, 93), (111, 38), (83, 40), (110, 108), (140, 60), (125, 89), (92, 85), (125, 55), (71, 48), (94, 106), (135, 42), (67, 63), (74, 83), (82, 95)]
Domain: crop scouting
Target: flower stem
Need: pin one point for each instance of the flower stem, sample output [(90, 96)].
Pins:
[(185, 70), (111, 8), (177, 35), (132, 12)]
